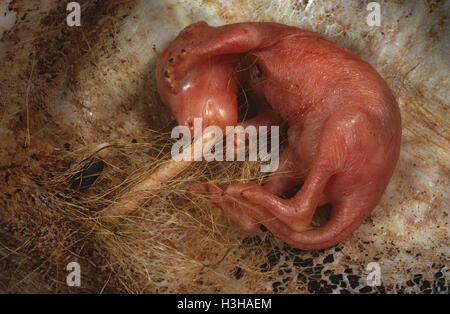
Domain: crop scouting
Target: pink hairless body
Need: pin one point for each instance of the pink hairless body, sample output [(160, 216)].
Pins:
[(344, 124)]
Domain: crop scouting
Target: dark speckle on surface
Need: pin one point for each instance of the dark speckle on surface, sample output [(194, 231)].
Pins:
[(238, 273), (303, 263), (313, 286), (381, 289), (366, 289), (319, 274), (297, 261), (296, 251), (353, 280), (336, 278), (328, 259), (255, 240), (37, 181), (276, 284), (264, 267), (301, 278), (87, 175), (425, 285), (318, 269), (273, 257), (417, 278)]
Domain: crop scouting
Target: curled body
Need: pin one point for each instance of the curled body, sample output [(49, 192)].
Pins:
[(344, 124)]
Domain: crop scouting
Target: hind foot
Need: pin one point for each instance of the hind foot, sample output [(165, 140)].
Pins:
[(264, 204), (237, 213)]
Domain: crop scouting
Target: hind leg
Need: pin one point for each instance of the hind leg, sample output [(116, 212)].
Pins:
[(239, 212), (323, 148), (296, 213), (264, 200), (342, 148), (337, 228)]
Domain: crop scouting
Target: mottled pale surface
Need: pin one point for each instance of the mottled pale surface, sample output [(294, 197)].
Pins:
[(7, 18), (96, 84)]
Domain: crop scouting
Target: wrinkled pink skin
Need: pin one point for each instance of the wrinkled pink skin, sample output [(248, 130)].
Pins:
[(344, 124)]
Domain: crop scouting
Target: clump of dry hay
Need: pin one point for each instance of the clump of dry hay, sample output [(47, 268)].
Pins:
[(146, 251)]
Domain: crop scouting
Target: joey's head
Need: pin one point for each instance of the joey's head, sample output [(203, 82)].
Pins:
[(207, 91)]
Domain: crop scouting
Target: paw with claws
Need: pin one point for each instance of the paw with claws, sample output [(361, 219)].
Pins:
[(177, 56), (174, 71)]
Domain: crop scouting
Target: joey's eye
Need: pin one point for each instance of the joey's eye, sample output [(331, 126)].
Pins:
[(258, 71)]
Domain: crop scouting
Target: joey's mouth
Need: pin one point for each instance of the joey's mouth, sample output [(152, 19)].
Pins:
[(189, 123)]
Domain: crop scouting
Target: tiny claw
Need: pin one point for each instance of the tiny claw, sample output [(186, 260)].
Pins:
[(206, 188), (173, 91), (239, 192), (169, 76), (169, 83), (244, 191)]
